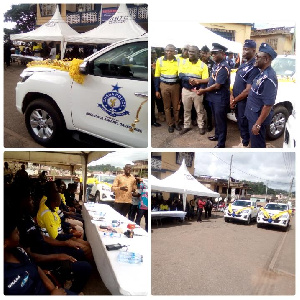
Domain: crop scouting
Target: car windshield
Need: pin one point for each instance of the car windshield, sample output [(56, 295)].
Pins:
[(284, 66), (108, 179), (241, 203), (275, 206)]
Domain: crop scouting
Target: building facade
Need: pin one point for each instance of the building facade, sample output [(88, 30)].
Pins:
[(281, 39), (86, 16)]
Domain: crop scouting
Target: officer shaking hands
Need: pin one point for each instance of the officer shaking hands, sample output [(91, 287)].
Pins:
[(261, 97), (218, 93)]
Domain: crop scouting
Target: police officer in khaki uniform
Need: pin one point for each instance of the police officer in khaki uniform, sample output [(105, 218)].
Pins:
[(167, 86)]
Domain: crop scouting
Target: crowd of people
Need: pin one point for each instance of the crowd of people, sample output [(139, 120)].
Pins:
[(193, 88), (46, 50), (193, 208), (45, 249)]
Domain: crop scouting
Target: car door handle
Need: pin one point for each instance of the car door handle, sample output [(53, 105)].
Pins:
[(142, 95)]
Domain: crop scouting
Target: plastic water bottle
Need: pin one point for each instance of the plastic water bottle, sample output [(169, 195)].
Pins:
[(130, 257), (112, 234)]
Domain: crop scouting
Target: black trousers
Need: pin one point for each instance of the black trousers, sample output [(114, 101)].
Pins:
[(122, 208), (199, 214)]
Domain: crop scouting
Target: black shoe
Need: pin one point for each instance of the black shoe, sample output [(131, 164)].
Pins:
[(201, 131), (156, 124), (178, 127), (217, 146), (213, 138), (185, 130), (171, 129)]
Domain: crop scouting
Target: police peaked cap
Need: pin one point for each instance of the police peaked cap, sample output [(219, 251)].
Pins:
[(266, 48), (249, 44), (218, 47)]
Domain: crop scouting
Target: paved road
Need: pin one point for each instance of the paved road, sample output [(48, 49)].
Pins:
[(15, 132), (218, 258), (161, 138)]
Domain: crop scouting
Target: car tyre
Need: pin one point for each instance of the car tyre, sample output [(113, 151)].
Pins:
[(248, 220), (44, 122), (97, 197), (226, 220), (258, 225), (278, 122), (285, 229)]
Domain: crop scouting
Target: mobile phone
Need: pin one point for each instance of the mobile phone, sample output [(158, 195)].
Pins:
[(113, 247)]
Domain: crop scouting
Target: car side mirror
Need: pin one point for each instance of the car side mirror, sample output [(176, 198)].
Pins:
[(84, 68)]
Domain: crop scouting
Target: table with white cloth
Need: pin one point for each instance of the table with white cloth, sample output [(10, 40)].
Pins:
[(159, 215), (168, 213), (26, 58), (120, 278)]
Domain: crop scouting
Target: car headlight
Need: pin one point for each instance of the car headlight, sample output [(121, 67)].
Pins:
[(284, 217), (24, 76), (260, 214), (246, 211)]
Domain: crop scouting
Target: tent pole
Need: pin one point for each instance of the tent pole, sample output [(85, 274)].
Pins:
[(84, 175)]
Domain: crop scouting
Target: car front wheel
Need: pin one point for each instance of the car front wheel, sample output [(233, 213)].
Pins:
[(44, 123), (97, 197), (277, 125)]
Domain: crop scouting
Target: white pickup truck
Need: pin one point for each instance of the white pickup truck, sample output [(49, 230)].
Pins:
[(242, 210), (111, 103), (275, 214), (101, 190)]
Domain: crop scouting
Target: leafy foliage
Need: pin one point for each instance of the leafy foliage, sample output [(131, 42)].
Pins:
[(24, 15), (259, 188), (104, 168)]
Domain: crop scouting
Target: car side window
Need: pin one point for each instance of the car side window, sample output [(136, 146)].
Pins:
[(127, 61)]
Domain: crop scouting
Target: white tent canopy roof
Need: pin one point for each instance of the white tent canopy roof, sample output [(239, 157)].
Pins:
[(54, 30), (119, 27), (182, 182), (64, 160), (188, 33)]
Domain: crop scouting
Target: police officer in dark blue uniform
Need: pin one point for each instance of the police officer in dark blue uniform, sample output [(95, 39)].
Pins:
[(242, 85), (218, 94), (261, 97)]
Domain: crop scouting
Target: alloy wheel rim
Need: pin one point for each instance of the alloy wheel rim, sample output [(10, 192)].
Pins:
[(41, 123)]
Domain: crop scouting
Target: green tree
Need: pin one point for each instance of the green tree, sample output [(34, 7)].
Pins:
[(24, 15)]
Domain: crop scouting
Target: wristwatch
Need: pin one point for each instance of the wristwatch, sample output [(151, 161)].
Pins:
[(257, 126)]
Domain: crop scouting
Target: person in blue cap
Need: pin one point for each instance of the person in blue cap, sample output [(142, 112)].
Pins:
[(261, 97), (218, 93), (242, 85)]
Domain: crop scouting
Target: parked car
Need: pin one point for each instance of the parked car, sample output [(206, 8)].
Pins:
[(101, 190), (285, 68), (290, 132), (241, 210), (275, 214), (111, 103)]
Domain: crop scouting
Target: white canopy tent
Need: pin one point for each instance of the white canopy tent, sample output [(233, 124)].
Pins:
[(69, 160), (56, 30), (119, 27), (188, 33), (182, 182)]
